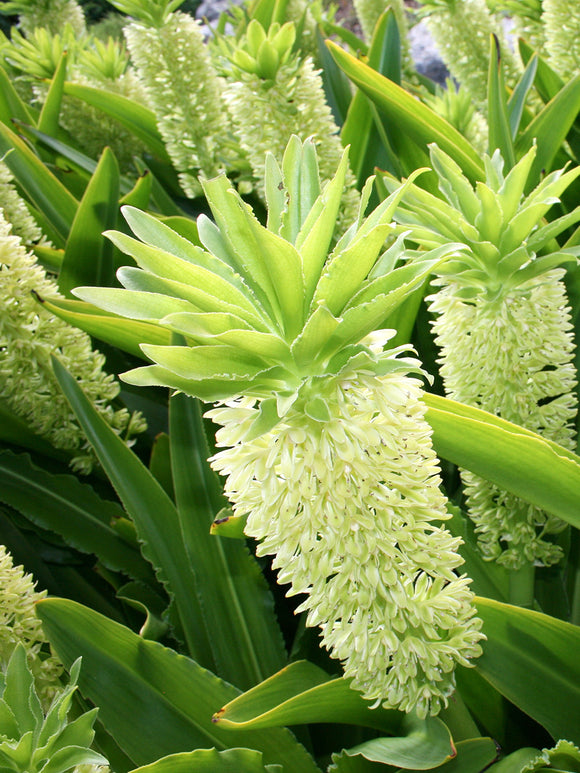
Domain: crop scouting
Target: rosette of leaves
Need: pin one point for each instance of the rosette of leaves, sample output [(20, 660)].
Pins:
[(34, 742), (502, 325), (327, 449)]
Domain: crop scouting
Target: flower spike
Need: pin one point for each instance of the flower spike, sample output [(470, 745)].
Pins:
[(324, 443)]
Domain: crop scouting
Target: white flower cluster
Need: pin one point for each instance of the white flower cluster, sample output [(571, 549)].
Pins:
[(513, 357), (29, 335), (184, 92), (351, 511), (19, 624)]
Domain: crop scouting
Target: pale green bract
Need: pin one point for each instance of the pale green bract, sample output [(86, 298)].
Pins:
[(34, 742), (326, 447), (503, 326)]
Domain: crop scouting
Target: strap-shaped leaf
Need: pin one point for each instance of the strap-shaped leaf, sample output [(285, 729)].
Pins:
[(48, 120), (500, 133), (153, 513), (517, 460), (135, 117), (202, 325), (11, 106), (135, 682), (238, 606), (299, 166), (61, 504), (211, 761), (549, 129), (38, 183), (532, 659), (88, 256), (413, 118)]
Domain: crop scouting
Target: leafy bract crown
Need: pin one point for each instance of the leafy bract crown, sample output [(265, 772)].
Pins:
[(500, 224), (261, 308)]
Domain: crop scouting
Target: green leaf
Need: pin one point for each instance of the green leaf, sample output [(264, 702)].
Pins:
[(153, 701), (515, 762), (411, 117), (135, 117), (39, 185), (304, 693), (237, 605), (153, 513), (88, 256), (500, 133), (49, 115), (549, 129), (532, 659), (16, 431), (517, 101), (11, 106), (209, 761), (425, 744), (515, 459), (60, 503)]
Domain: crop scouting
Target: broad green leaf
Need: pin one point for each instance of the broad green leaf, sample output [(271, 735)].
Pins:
[(38, 183), (515, 762), (126, 334), (517, 460), (411, 117), (60, 503), (209, 761), (336, 84), (88, 256), (19, 692), (49, 115), (140, 193), (304, 693), (549, 129), (146, 306), (500, 133), (424, 744), (153, 701), (473, 756), (532, 659), (153, 513), (237, 605), (135, 117)]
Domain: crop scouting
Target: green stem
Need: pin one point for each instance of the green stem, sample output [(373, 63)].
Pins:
[(521, 586)]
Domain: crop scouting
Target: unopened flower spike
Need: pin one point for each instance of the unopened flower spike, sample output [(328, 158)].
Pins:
[(324, 442), (503, 325)]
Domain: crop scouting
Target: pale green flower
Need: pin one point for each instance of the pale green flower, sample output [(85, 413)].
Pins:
[(16, 210), (183, 90), (29, 335), (268, 79), (19, 624), (462, 29), (51, 15), (326, 447), (562, 29), (503, 326), (351, 510)]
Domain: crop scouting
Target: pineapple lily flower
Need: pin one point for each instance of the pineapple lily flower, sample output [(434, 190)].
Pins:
[(325, 445), (502, 325)]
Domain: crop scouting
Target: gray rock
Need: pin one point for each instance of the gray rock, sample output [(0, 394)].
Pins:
[(425, 54), (212, 9)]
